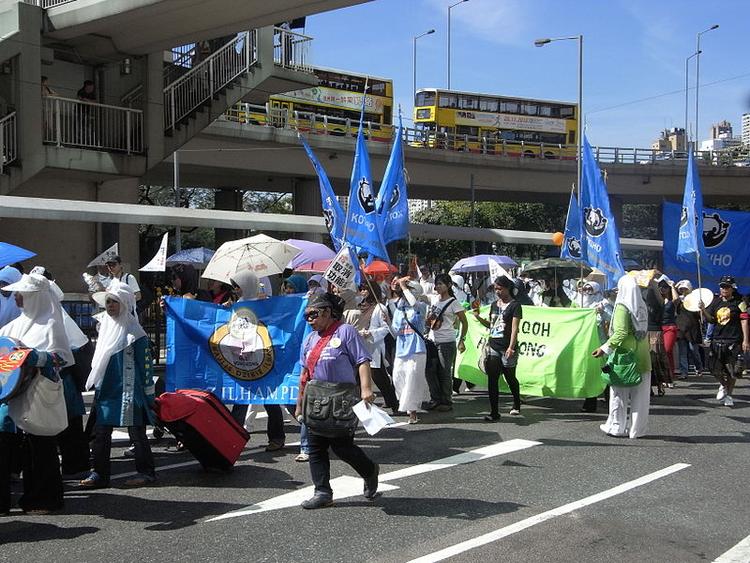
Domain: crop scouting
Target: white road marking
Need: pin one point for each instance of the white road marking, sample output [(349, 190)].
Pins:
[(343, 487), (352, 486), (548, 515), (740, 553)]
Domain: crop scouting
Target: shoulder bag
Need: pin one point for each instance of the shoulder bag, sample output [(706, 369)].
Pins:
[(327, 408), (40, 410), (621, 369)]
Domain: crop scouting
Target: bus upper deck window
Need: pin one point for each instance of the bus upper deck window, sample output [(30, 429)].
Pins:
[(425, 99), (567, 112), (529, 109), (545, 111), (447, 100), (487, 104)]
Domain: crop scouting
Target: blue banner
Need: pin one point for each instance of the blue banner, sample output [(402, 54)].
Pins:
[(392, 201), (248, 353), (332, 212), (725, 237), (571, 246), (600, 247), (689, 241), (362, 228)]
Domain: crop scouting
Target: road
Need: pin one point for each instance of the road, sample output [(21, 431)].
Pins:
[(546, 487)]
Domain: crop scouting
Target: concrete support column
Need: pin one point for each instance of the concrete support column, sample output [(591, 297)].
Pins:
[(154, 107), (615, 204), (228, 200), (27, 90), (306, 201), (120, 191)]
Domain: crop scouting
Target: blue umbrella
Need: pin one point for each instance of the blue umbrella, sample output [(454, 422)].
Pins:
[(10, 254), (197, 257), (480, 263)]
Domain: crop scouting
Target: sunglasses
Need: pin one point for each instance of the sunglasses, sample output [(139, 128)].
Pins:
[(312, 315)]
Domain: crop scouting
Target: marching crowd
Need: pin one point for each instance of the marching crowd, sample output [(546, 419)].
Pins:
[(400, 335)]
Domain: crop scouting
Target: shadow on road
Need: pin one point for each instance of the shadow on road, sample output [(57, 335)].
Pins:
[(452, 508), (19, 531)]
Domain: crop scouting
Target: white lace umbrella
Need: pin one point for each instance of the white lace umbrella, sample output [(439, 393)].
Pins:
[(262, 254)]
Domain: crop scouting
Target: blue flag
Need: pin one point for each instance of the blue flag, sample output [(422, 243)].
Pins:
[(362, 228), (600, 247), (248, 353), (690, 235), (724, 235), (332, 212), (571, 247), (392, 201)]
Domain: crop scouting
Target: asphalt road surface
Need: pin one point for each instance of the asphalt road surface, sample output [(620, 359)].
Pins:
[(545, 486)]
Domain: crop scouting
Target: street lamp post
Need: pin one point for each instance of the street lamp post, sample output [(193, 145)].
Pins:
[(579, 38), (698, 74), (414, 51), (687, 70), (449, 39)]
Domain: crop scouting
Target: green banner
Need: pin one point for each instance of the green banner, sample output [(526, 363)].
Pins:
[(554, 346)]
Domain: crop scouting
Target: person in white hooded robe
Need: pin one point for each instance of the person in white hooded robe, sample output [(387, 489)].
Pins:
[(40, 327), (122, 375)]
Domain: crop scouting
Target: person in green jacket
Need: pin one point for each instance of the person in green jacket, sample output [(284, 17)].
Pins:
[(628, 330)]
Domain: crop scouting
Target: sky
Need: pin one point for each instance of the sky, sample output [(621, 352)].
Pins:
[(633, 63)]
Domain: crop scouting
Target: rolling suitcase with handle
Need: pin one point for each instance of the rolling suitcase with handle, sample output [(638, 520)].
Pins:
[(204, 426)]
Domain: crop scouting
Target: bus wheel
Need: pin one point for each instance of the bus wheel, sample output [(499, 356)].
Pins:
[(549, 154), (529, 154)]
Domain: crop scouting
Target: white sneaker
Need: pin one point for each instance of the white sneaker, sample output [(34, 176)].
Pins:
[(722, 393), (728, 401)]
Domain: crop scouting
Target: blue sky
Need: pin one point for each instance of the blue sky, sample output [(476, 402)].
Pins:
[(633, 49)]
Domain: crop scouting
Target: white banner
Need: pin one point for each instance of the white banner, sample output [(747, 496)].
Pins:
[(341, 271), (105, 256), (509, 122), (159, 261), (496, 270)]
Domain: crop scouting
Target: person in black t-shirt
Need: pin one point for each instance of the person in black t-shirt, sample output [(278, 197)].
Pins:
[(731, 332), (505, 317)]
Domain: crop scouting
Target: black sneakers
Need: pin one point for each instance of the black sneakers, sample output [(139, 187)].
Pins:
[(317, 501), (371, 483)]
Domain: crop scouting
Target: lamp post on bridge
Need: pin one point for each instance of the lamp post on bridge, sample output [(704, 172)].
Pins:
[(579, 39), (687, 70), (414, 65), (449, 39), (698, 74)]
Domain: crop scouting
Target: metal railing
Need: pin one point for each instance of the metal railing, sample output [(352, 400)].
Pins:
[(209, 77), (320, 124), (44, 4), (291, 50), (75, 123), (8, 141)]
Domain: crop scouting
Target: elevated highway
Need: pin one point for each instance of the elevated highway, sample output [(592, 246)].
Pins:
[(242, 155)]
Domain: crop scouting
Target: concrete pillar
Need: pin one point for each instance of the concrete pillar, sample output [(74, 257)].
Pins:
[(120, 191), (153, 107), (27, 90), (615, 204), (228, 200), (306, 201)]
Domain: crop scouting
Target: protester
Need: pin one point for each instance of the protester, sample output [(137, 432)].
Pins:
[(689, 337), (503, 322), (116, 272), (40, 327), (332, 352), (122, 375), (411, 352), (669, 325), (655, 307), (296, 283), (218, 292), (444, 313), (8, 308), (459, 288), (247, 285), (730, 337), (316, 284), (185, 281), (372, 324), (628, 406)]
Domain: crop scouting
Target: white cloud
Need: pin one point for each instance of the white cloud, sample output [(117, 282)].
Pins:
[(496, 21)]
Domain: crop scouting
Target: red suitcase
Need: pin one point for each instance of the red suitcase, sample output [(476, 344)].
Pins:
[(204, 425)]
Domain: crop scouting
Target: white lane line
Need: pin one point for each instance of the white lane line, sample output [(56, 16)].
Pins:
[(548, 515), (351, 486), (740, 553)]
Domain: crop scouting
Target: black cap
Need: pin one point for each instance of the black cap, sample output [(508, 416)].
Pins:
[(116, 258), (728, 281), (327, 300)]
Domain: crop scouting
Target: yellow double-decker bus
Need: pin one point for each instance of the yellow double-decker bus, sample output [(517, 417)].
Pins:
[(489, 124), (331, 108)]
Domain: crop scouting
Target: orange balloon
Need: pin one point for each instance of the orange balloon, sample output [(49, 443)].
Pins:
[(558, 238)]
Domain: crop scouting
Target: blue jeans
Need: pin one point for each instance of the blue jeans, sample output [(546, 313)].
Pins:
[(688, 351)]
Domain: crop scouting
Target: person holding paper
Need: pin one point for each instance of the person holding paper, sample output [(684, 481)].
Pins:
[(332, 352)]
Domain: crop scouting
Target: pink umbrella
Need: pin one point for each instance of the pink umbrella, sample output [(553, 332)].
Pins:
[(312, 252), (317, 266)]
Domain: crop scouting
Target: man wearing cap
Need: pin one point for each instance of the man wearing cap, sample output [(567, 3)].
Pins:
[(689, 335), (731, 332)]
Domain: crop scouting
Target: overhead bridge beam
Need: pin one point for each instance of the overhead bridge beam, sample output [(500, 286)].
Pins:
[(44, 209)]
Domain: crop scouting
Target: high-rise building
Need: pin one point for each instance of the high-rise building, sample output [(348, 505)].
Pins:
[(670, 140), (721, 130), (746, 129)]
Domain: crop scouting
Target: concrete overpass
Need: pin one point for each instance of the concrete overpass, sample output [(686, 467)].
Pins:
[(241, 155)]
